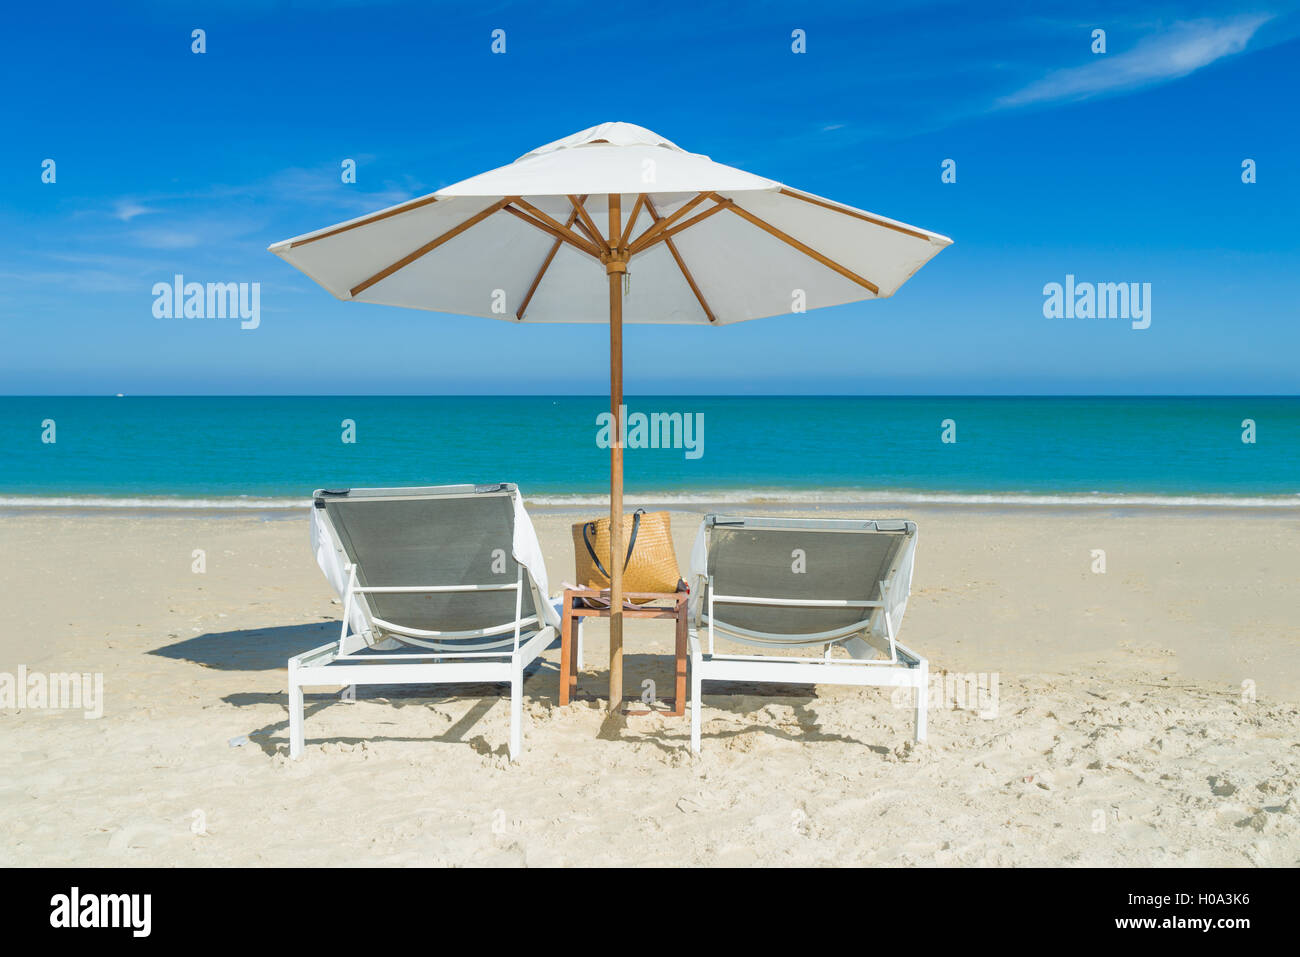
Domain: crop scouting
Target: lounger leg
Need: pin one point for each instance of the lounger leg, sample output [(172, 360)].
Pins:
[(516, 711), (578, 628), (697, 703), (295, 712), (566, 653), (922, 699), (681, 651)]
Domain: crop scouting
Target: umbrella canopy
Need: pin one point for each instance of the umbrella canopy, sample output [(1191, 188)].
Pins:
[(614, 224)]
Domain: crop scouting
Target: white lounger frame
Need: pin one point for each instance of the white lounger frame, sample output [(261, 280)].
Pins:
[(904, 668), (344, 662)]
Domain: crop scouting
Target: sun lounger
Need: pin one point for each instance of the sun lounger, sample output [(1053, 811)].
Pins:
[(785, 585), (439, 585)]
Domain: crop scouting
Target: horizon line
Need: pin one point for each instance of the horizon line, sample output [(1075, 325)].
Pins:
[(701, 395)]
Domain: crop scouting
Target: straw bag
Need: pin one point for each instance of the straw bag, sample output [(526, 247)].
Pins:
[(650, 563)]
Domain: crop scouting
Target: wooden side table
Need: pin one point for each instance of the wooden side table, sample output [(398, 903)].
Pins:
[(661, 605)]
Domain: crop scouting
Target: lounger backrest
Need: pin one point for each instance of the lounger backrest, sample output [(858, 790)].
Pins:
[(457, 535), (803, 559)]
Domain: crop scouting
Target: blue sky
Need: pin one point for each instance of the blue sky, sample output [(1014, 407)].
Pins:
[(1123, 166)]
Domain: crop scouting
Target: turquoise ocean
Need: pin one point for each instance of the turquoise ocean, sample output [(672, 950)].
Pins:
[(260, 452)]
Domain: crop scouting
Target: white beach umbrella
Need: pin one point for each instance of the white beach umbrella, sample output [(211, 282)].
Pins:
[(552, 236)]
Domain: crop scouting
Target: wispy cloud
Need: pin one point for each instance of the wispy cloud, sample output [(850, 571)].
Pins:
[(73, 272), (1175, 52), (167, 238), (128, 209)]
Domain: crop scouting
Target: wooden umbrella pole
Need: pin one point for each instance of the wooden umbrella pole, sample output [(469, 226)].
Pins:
[(615, 267)]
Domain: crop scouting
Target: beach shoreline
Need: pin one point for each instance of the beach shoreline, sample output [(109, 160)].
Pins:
[(291, 509)]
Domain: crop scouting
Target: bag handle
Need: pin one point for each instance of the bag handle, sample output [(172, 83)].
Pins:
[(636, 525)]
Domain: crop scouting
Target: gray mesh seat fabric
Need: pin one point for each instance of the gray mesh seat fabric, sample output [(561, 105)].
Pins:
[(789, 585), (449, 577), (443, 540), (804, 561)]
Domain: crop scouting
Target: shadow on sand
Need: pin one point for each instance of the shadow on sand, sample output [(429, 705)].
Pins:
[(269, 649), (273, 738), (251, 649)]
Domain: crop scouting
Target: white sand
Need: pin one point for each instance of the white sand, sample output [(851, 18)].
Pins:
[(1123, 736)]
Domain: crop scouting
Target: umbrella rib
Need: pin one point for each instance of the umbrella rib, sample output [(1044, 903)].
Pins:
[(655, 228), (806, 250), (403, 208), (546, 264), (431, 246), (855, 214), (686, 273), (594, 237), (553, 228), (698, 218), (585, 219), (641, 200)]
